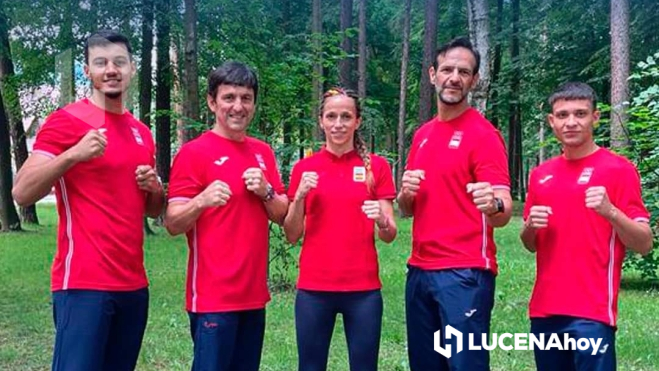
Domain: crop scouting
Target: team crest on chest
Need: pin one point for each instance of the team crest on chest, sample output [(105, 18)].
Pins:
[(359, 174), (456, 139), (585, 176), (259, 159), (138, 137)]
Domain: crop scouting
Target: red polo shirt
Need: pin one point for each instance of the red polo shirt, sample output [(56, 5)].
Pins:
[(448, 231), (338, 250), (579, 256), (228, 258)]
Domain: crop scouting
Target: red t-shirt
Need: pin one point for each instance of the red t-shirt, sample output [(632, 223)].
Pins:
[(448, 230), (228, 258), (338, 250), (100, 207), (579, 257)]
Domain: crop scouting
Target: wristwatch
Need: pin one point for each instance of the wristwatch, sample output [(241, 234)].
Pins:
[(270, 194), (498, 202)]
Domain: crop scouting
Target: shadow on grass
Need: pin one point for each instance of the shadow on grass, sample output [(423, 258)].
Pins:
[(638, 284)]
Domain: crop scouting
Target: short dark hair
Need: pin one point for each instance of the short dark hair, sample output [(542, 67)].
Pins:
[(104, 38), (232, 73), (573, 90), (459, 42)]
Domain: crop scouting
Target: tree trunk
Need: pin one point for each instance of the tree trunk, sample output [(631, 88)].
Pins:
[(345, 64), (361, 69), (181, 124), (287, 125), (403, 93), (190, 74), (146, 84), (65, 60), (361, 83), (496, 68), (9, 88), (479, 34), (541, 138), (514, 121), (317, 78), (619, 71), (8, 217), (429, 46), (163, 91)]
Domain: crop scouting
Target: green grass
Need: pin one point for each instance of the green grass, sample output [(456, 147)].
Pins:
[(26, 329)]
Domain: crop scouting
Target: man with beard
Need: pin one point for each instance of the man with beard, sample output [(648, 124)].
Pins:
[(457, 188), (100, 159)]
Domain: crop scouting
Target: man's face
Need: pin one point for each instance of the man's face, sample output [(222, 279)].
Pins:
[(572, 121), (233, 106), (455, 75), (110, 69)]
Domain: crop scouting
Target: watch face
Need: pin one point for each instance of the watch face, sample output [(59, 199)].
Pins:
[(500, 205)]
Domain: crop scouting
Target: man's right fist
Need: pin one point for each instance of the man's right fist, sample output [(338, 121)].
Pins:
[(91, 146), (216, 194), (411, 182), (538, 216)]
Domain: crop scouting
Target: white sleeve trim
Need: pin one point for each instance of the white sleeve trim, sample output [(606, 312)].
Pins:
[(44, 153), (179, 199)]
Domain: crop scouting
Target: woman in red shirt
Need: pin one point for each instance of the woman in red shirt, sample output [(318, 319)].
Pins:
[(338, 197)]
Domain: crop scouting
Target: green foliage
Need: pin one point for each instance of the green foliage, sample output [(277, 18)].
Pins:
[(641, 130), (282, 268)]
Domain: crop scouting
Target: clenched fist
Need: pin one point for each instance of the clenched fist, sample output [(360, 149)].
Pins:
[(411, 182), (373, 211), (216, 194), (483, 197), (598, 200), (255, 181), (538, 216), (147, 179), (308, 181), (90, 146)]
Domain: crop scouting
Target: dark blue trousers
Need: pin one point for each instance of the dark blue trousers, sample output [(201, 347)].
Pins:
[(98, 330), (227, 341), (315, 316), (461, 298), (575, 360)]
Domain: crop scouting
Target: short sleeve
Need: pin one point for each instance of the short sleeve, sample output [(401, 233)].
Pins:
[(629, 197), (273, 175), (56, 135), (187, 178), (490, 160), (296, 174), (151, 145), (530, 194), (411, 155), (384, 180)]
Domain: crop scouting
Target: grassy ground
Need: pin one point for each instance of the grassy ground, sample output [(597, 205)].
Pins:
[(26, 330)]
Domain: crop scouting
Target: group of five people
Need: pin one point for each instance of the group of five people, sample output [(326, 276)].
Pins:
[(583, 208)]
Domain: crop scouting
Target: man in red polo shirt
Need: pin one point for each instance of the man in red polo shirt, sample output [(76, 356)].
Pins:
[(583, 208), (224, 188), (457, 188), (100, 159)]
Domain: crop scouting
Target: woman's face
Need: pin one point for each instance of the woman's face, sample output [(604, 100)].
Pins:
[(339, 120)]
